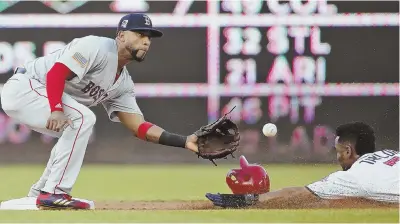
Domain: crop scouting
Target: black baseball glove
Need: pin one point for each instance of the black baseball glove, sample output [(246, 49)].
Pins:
[(233, 200), (218, 140)]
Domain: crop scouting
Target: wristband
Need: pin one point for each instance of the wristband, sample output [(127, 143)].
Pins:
[(172, 139), (142, 130)]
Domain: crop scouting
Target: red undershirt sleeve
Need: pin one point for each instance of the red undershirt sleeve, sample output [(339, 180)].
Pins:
[(55, 82)]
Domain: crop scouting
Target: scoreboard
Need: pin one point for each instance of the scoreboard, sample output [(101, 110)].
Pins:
[(305, 65)]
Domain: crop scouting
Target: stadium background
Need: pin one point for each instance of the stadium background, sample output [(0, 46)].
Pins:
[(220, 54)]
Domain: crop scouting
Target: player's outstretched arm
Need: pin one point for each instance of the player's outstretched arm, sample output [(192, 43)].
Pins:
[(304, 197), (153, 133), (293, 197)]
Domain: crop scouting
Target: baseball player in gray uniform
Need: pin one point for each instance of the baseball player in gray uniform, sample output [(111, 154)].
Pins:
[(52, 95)]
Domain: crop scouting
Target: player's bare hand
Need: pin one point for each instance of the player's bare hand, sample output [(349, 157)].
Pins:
[(58, 121), (191, 143)]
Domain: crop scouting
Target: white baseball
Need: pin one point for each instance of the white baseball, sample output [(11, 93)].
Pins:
[(269, 130)]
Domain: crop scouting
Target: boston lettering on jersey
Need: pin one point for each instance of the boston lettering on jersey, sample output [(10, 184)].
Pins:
[(384, 154), (94, 91)]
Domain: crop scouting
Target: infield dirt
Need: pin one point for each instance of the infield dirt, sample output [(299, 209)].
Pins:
[(205, 205)]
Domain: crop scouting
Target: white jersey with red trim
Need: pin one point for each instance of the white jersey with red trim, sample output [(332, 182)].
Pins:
[(373, 176)]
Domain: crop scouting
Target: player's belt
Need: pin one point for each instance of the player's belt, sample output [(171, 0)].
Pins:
[(20, 70)]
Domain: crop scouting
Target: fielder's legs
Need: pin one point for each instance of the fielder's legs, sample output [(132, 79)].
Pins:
[(38, 186), (25, 100)]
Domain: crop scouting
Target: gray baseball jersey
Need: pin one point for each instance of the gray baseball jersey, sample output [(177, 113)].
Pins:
[(373, 176), (94, 60)]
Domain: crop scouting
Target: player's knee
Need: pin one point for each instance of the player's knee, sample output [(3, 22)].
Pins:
[(7, 107), (7, 101), (89, 118), (85, 118)]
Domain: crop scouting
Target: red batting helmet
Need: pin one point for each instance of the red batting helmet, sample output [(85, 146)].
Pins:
[(249, 179)]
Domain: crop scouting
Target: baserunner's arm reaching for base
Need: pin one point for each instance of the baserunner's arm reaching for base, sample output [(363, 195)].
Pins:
[(338, 185), (292, 198), (299, 197)]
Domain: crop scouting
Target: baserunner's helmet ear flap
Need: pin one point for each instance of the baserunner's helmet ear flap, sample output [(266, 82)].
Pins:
[(248, 179)]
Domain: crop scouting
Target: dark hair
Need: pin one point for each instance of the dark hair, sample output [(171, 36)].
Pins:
[(358, 133)]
